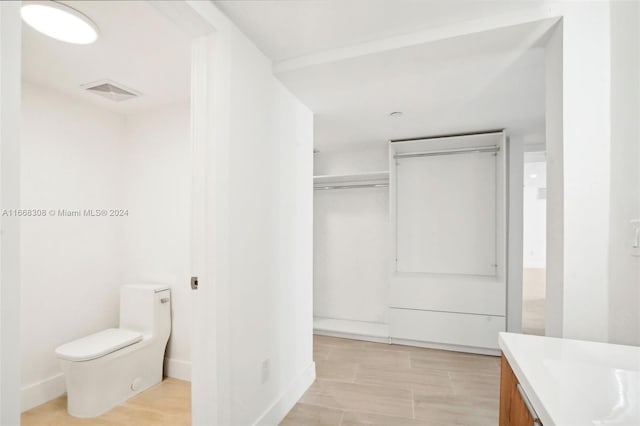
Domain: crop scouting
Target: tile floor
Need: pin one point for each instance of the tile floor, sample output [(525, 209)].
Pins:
[(167, 404), (533, 300), (363, 383), (359, 383)]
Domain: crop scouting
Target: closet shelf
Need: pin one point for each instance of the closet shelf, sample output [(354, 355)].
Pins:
[(381, 177)]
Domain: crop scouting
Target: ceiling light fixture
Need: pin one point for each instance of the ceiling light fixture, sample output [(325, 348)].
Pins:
[(59, 21)]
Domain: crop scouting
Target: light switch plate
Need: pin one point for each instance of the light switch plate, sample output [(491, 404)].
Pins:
[(635, 237)]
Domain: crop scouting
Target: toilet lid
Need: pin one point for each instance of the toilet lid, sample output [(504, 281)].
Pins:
[(98, 344)]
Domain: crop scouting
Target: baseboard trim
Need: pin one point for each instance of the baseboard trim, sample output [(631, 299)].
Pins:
[(177, 368), (281, 407), (40, 392), (353, 336), (446, 347)]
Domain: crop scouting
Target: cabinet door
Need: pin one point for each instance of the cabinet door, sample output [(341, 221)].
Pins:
[(514, 408), (508, 382), (520, 413)]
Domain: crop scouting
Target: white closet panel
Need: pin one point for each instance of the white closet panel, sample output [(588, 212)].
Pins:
[(446, 214), (479, 331)]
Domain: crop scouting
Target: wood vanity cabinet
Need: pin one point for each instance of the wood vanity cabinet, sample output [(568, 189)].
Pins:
[(515, 409)]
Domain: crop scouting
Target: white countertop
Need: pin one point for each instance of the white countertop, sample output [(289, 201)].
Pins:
[(572, 382)]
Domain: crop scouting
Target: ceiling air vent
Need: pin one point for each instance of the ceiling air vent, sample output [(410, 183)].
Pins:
[(111, 90)]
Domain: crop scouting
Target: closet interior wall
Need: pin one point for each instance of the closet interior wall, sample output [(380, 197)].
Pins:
[(351, 246)]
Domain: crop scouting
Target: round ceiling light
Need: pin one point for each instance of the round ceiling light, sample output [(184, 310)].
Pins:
[(59, 21)]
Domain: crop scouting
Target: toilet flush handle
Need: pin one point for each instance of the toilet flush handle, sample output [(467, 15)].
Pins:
[(164, 300)]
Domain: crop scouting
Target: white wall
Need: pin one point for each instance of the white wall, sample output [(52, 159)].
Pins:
[(624, 269), (578, 149), (270, 234), (534, 216), (592, 285), (71, 267), (586, 145), (373, 157), (156, 168), (351, 245)]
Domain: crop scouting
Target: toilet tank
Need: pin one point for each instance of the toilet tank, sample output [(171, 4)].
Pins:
[(146, 308)]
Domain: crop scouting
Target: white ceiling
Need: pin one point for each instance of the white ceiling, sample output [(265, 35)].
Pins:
[(481, 81), (137, 47), (284, 29), (478, 82)]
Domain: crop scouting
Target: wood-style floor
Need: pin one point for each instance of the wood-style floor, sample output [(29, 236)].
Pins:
[(358, 383), (363, 383), (166, 404)]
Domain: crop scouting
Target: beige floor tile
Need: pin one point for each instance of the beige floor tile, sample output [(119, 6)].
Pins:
[(401, 385), (312, 415), (167, 404), (533, 316), (457, 410), (321, 352), (337, 341), (343, 371), (455, 362), (357, 397), (482, 385), (371, 358), (426, 382), (360, 419)]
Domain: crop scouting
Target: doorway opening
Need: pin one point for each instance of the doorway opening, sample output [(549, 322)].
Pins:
[(534, 207), (106, 161)]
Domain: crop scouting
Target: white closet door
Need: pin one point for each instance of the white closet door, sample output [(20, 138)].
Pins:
[(446, 214)]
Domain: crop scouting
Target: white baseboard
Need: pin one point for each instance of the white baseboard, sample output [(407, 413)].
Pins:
[(353, 336), (177, 368), (351, 329), (41, 392), (281, 407), (446, 347)]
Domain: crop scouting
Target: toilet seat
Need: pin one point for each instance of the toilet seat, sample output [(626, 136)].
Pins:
[(98, 344)]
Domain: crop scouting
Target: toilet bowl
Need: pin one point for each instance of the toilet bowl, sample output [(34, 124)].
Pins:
[(106, 368)]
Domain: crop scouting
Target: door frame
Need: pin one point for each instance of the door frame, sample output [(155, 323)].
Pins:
[(10, 94)]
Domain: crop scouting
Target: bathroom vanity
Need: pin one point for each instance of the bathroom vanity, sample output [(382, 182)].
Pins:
[(550, 381)]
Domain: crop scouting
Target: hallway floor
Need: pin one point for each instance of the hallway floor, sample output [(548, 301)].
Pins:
[(363, 383), (358, 383), (166, 404)]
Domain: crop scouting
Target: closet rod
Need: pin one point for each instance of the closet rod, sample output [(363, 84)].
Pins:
[(364, 185), (449, 152)]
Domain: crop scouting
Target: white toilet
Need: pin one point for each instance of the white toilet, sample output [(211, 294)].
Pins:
[(107, 368)]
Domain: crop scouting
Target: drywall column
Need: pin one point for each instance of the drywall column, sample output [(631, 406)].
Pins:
[(257, 142), (579, 190), (624, 269), (586, 151), (555, 186), (9, 226)]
